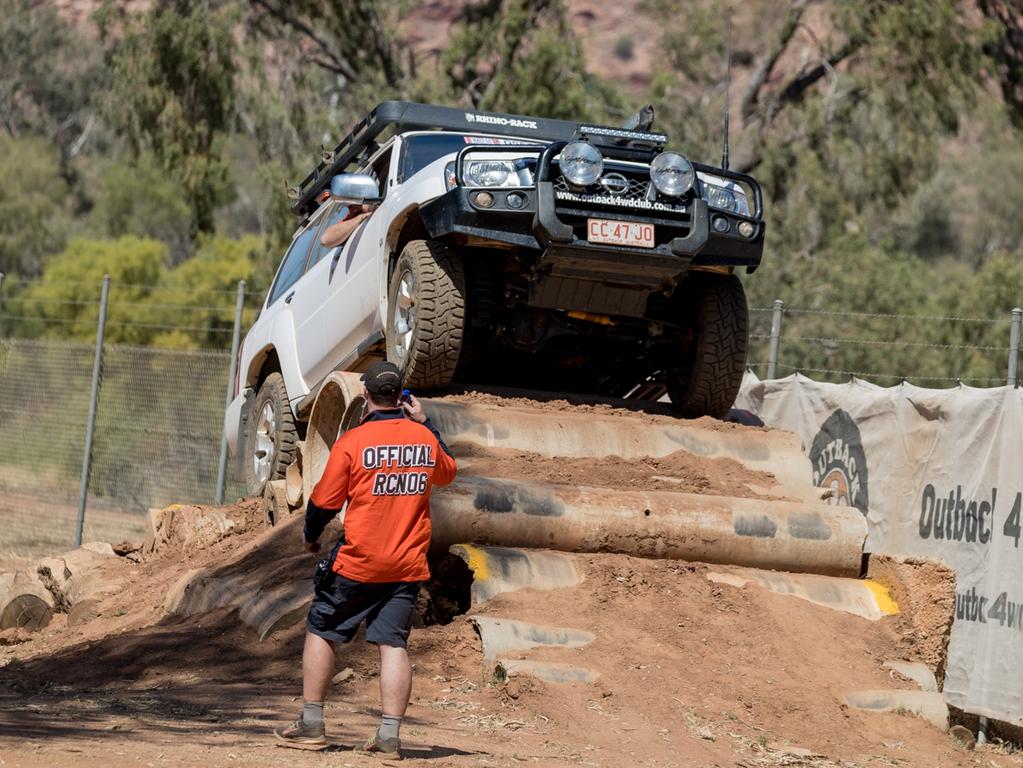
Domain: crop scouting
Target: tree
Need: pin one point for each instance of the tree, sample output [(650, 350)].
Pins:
[(173, 76), (1005, 47), (48, 73), (522, 56), (34, 204), (199, 295), (136, 196), (64, 303)]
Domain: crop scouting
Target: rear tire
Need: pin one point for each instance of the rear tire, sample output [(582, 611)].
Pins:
[(271, 435), (707, 380), (426, 314)]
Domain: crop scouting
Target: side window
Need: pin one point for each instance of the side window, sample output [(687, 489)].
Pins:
[(332, 217), (380, 170), (294, 264)]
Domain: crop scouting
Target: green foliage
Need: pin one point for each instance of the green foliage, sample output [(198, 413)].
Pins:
[(34, 204), (173, 92), (868, 210), (522, 56), (969, 209), (206, 282), (48, 73), (65, 302), (186, 307), (138, 197), (891, 168)]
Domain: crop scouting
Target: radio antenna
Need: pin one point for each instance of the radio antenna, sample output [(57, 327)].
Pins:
[(728, 86)]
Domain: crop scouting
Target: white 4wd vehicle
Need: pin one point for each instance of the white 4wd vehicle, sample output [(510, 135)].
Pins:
[(510, 250)]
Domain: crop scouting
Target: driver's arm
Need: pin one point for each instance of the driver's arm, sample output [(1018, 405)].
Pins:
[(338, 232)]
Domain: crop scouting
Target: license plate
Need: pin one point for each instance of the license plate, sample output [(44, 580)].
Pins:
[(620, 233)]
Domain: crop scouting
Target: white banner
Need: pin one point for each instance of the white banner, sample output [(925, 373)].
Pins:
[(938, 474)]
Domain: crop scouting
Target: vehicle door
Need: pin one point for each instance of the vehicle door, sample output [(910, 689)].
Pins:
[(291, 302), (316, 288), (353, 274)]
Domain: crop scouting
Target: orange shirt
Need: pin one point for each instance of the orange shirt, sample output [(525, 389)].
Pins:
[(384, 469)]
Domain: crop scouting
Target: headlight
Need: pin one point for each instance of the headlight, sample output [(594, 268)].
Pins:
[(483, 172), (721, 198), (488, 173), (581, 163), (672, 174), (724, 195)]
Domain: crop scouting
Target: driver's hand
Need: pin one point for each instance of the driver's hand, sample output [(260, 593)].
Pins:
[(312, 546), (414, 409)]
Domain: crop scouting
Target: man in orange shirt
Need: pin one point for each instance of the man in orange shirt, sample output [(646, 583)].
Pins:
[(384, 470)]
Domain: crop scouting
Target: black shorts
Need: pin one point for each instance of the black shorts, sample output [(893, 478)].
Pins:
[(340, 605)]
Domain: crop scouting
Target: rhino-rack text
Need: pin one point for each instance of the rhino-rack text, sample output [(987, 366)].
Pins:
[(475, 117)]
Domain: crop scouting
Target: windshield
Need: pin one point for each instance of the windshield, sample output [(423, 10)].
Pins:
[(423, 149)]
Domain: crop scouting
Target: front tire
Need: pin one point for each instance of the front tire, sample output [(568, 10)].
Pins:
[(271, 435), (426, 314), (707, 379)]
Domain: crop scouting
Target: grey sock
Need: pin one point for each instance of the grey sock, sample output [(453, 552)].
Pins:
[(389, 727), (312, 712)]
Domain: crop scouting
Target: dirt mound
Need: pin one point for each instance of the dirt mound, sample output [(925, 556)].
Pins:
[(925, 590), (681, 471), (652, 412), (690, 672), (186, 528)]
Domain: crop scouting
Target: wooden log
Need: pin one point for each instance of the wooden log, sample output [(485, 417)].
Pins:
[(76, 576), (24, 602)]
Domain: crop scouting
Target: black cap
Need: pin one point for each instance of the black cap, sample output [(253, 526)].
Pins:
[(383, 379)]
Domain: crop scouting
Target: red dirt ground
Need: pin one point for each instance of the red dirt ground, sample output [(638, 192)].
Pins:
[(691, 673)]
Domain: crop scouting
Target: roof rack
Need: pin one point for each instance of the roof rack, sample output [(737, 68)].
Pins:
[(410, 115)]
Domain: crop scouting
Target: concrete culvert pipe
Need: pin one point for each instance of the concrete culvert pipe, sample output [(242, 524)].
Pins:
[(293, 479), (586, 433), (712, 529), (331, 415), (339, 406)]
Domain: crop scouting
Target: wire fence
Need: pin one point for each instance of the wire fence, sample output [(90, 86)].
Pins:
[(885, 347), (166, 370), (158, 414)]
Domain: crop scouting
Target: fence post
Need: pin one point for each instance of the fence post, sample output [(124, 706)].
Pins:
[(97, 367), (772, 352), (1017, 314), (232, 373)]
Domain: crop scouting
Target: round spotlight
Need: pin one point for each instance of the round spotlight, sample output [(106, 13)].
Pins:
[(581, 163), (746, 229), (672, 174), (720, 224), (515, 200), (483, 199)]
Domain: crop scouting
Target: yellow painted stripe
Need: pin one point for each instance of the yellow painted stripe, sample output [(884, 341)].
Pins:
[(882, 596), (477, 561)]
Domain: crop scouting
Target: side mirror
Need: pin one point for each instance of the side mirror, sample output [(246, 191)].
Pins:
[(354, 188)]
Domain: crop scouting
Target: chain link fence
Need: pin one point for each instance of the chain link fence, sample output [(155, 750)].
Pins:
[(159, 414), (157, 428), (885, 348), (157, 439)]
